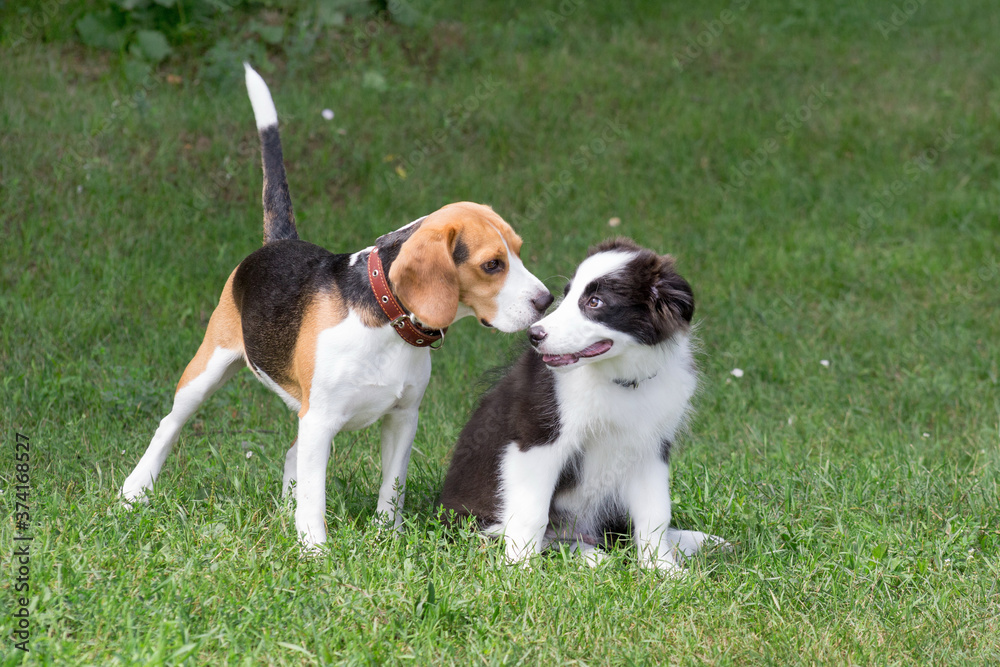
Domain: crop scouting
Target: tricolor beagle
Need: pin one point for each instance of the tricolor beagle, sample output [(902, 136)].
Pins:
[(343, 339)]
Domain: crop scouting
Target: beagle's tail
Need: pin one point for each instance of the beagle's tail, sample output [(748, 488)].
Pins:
[(279, 219)]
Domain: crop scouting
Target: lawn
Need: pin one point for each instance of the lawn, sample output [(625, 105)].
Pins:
[(825, 173)]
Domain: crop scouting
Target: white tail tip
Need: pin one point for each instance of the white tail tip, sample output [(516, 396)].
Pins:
[(260, 99)]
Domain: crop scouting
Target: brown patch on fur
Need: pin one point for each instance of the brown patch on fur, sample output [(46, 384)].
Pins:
[(424, 275), (224, 330), (327, 309), (370, 315)]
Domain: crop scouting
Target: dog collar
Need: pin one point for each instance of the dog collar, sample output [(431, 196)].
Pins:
[(632, 384), (400, 320)]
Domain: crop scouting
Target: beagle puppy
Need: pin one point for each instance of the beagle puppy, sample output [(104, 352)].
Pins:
[(343, 339)]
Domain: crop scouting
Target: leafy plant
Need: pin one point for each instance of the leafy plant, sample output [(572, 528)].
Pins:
[(147, 32)]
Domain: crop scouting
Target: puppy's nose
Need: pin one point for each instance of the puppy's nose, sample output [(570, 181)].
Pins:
[(542, 302), (537, 334)]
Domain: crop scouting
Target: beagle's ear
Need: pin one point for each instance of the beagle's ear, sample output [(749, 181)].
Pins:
[(424, 276)]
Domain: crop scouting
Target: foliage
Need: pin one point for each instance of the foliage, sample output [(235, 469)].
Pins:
[(146, 32)]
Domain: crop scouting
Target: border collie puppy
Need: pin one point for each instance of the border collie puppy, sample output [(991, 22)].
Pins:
[(575, 439)]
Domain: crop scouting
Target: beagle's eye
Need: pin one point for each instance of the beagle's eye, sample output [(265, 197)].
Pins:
[(594, 302), (493, 266)]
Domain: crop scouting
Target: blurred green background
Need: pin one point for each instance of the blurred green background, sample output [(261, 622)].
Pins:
[(825, 173)]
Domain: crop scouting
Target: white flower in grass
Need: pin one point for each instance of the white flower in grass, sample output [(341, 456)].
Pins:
[(327, 114), (825, 363), (736, 372), (927, 435), (249, 454)]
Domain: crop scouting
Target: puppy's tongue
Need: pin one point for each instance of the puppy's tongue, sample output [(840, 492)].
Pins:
[(560, 359), (600, 347)]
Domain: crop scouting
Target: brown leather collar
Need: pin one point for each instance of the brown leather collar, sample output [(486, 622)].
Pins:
[(400, 320)]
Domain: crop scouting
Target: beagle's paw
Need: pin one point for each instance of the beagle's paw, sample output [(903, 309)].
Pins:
[(133, 496)]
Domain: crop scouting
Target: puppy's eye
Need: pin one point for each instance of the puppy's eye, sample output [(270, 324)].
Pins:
[(594, 302), (493, 266)]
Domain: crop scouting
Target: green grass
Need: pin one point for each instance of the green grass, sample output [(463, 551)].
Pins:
[(862, 497)]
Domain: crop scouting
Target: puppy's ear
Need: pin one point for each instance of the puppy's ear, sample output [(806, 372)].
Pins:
[(673, 292), (425, 278)]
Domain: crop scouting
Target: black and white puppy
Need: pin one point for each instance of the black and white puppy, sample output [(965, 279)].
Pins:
[(576, 437)]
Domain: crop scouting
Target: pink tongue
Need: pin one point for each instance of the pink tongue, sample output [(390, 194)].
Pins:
[(560, 359), (600, 347)]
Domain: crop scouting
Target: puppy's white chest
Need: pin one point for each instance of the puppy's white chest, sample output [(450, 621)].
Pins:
[(616, 430), (599, 410)]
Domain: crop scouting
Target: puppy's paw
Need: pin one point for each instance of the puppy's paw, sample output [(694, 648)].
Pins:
[(590, 554), (519, 554), (665, 558), (595, 557), (667, 566), (716, 543), (690, 542)]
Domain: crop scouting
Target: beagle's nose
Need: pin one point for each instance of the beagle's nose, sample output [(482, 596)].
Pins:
[(542, 302), (537, 334)]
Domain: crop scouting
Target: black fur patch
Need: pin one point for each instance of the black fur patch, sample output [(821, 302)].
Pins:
[(521, 408), (271, 289), (461, 252), (389, 244), (665, 447), (279, 219), (356, 288), (273, 286), (646, 298)]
